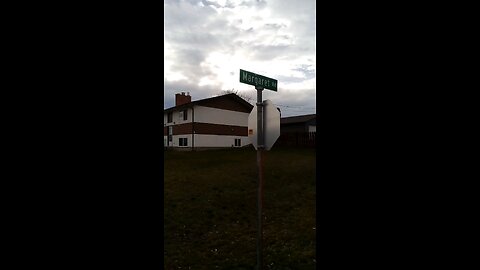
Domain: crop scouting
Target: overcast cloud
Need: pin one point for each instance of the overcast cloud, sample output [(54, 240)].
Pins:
[(208, 42)]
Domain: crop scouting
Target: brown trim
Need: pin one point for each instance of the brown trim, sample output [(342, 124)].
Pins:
[(230, 102), (182, 129), (210, 129), (216, 129), (226, 104), (297, 119)]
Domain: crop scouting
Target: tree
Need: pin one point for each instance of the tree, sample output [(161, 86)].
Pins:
[(245, 96)]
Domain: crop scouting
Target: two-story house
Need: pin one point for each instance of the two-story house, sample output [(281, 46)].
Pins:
[(215, 122)]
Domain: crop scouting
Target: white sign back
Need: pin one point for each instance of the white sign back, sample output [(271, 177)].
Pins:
[(271, 125)]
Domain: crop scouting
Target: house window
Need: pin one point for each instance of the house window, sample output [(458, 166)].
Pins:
[(170, 133), (237, 142), (169, 117), (182, 115), (182, 141)]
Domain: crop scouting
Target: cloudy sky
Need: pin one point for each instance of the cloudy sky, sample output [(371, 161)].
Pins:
[(208, 42)]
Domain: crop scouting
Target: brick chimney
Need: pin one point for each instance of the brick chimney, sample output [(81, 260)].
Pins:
[(181, 99)]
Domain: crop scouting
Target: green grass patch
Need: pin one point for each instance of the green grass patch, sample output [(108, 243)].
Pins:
[(210, 209)]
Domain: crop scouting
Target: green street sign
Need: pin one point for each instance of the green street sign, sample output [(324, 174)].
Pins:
[(257, 80)]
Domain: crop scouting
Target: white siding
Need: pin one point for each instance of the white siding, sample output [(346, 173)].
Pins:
[(219, 116), (218, 140), (208, 140), (176, 142), (210, 116), (165, 118), (176, 118)]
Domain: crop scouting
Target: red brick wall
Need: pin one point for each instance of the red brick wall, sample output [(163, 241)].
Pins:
[(182, 99)]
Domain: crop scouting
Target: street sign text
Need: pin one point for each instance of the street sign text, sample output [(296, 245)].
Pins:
[(257, 80)]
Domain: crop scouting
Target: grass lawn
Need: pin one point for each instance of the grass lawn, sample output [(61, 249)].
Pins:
[(210, 212)]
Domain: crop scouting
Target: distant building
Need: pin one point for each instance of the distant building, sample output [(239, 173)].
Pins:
[(215, 122), (298, 131), (301, 123)]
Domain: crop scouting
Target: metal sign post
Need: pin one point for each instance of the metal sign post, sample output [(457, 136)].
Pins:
[(260, 147), (260, 141)]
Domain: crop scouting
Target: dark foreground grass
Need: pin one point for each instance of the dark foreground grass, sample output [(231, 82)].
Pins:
[(210, 209)]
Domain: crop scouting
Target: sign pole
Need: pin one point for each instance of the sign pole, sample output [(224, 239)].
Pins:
[(268, 131), (260, 140)]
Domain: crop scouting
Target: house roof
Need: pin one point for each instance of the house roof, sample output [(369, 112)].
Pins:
[(208, 100), (297, 119)]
